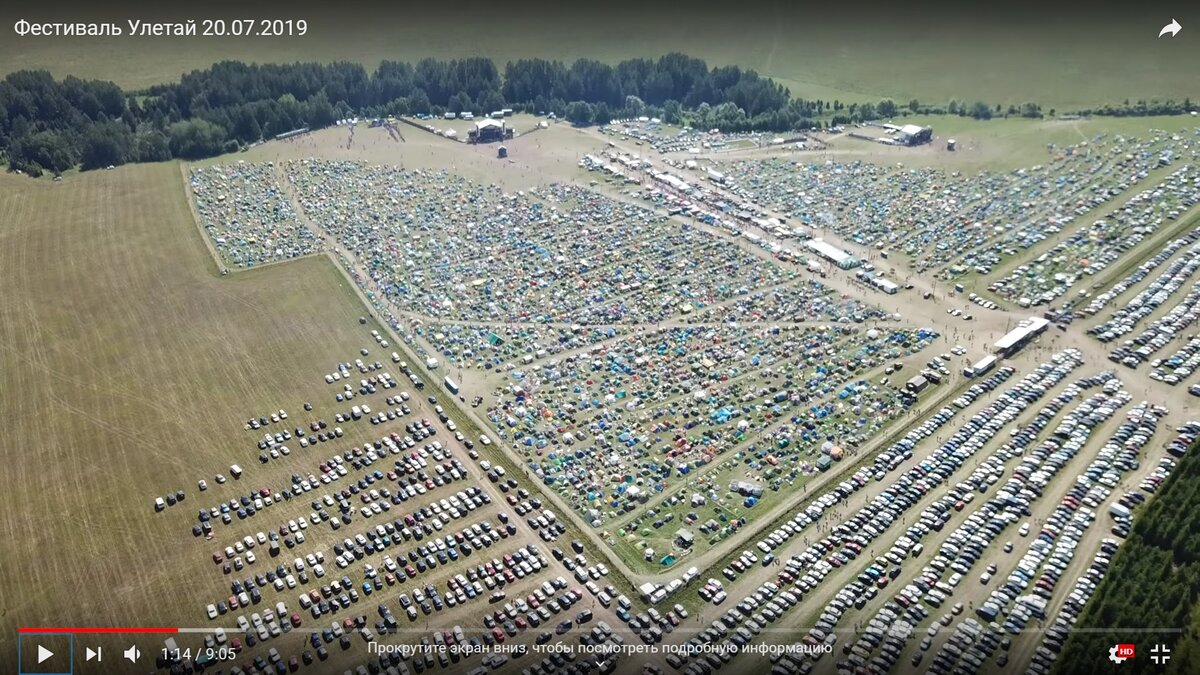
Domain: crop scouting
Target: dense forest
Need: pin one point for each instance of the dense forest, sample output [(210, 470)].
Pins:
[(55, 125), (1153, 583)]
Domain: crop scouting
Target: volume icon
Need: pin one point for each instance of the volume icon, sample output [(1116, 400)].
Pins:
[(132, 654)]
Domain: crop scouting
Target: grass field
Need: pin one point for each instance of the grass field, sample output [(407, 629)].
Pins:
[(1024, 142), (1065, 60), (128, 366)]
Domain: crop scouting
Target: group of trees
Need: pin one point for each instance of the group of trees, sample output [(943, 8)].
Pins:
[(50, 125), (1153, 581), (1143, 108)]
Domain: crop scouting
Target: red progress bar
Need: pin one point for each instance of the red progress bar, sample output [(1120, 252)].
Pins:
[(98, 630)]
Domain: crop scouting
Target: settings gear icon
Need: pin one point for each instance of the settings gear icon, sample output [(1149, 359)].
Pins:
[(1112, 655)]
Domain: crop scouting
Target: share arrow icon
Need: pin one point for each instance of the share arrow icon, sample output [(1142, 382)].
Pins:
[(1173, 28)]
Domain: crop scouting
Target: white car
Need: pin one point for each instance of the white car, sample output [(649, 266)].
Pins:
[(212, 612)]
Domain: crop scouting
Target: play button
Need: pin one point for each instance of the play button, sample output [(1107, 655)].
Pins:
[(45, 654)]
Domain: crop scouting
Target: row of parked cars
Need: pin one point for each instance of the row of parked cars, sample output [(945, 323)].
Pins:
[(741, 624), (1160, 332), (1024, 596), (341, 594), (331, 470), (899, 618), (1143, 271), (522, 562), (1058, 630), (342, 372), (849, 538), (540, 607), (1178, 366), (1185, 437)]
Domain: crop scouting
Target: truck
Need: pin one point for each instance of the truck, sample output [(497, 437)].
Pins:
[(980, 367), (1119, 511)]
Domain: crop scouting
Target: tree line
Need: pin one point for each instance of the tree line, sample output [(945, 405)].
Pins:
[(55, 125)]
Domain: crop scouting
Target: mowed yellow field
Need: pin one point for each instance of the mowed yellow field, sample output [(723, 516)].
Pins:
[(129, 366)]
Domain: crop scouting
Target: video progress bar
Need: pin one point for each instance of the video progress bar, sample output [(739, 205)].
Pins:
[(124, 629), (94, 629)]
